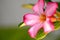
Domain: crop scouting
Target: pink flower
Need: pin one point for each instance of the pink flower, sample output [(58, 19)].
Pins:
[(40, 18)]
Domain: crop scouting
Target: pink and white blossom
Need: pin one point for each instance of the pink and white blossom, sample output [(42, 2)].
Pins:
[(40, 18)]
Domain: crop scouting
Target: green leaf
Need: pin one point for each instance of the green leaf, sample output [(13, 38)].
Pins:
[(28, 6), (58, 6), (57, 25), (20, 24), (48, 0), (40, 34)]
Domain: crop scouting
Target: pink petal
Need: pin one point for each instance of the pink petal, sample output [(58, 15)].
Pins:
[(48, 26), (51, 8), (30, 19), (34, 29), (38, 7)]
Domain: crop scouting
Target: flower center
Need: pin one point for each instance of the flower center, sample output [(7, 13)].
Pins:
[(42, 17)]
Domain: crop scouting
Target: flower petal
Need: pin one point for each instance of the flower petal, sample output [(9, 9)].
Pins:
[(51, 8), (34, 29), (30, 19), (48, 26), (38, 7)]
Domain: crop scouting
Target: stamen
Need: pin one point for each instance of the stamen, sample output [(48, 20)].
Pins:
[(42, 17)]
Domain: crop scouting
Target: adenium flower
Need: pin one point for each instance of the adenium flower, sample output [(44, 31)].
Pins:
[(40, 18)]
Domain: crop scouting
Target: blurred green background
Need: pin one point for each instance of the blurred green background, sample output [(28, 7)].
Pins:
[(22, 34), (14, 34)]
